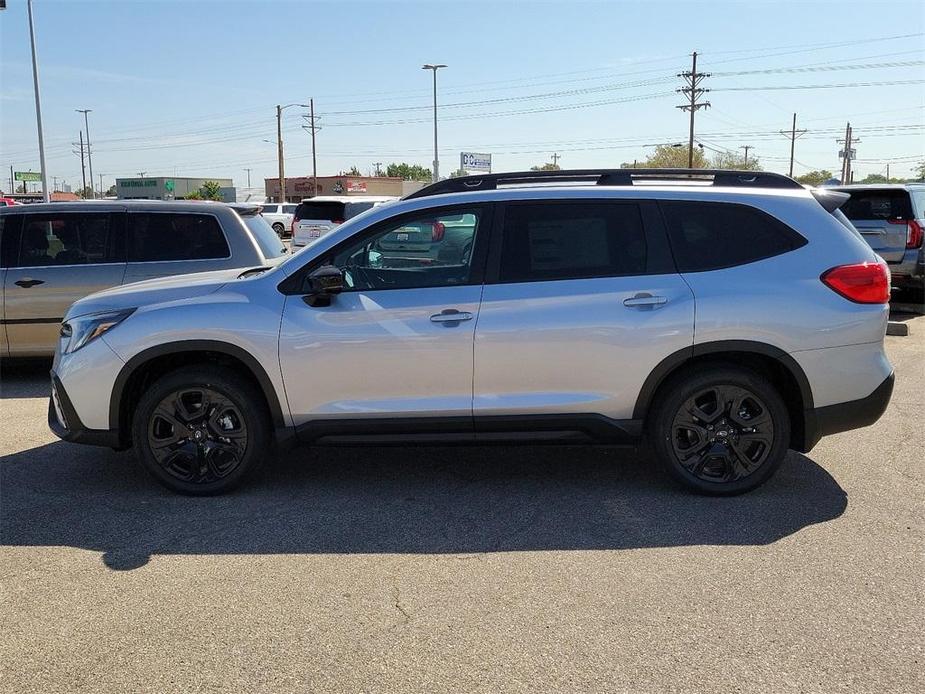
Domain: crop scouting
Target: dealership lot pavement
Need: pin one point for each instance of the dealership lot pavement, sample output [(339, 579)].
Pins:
[(515, 569)]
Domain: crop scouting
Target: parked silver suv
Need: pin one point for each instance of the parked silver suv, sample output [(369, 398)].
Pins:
[(724, 317), (53, 254)]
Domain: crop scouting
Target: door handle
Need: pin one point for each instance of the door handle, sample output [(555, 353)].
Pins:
[(644, 300), (28, 283), (450, 315)]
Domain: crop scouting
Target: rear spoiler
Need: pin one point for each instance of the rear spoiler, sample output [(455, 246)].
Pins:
[(831, 200)]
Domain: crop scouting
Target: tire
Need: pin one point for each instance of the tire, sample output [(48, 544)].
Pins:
[(201, 430), (714, 448), (279, 228)]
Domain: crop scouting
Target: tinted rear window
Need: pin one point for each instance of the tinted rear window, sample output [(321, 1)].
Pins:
[(329, 211), (709, 236), (571, 240), (159, 237), (878, 204)]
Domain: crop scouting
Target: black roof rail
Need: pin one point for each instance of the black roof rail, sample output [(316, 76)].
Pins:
[(608, 177)]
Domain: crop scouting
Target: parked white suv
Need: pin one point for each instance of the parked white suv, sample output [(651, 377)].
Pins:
[(279, 215), (315, 217), (723, 323)]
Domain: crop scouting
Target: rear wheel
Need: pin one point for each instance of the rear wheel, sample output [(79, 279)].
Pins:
[(279, 228), (722, 430), (201, 430)]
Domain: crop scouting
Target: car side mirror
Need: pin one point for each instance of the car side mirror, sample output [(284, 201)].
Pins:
[(322, 284)]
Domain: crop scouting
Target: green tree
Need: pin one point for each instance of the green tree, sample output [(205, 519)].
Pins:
[(548, 166), (459, 173), (195, 195), (111, 192), (408, 172), (875, 178), (920, 171), (733, 160), (670, 157), (354, 171), (211, 190), (814, 178)]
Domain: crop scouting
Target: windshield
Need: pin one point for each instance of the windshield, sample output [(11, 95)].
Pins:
[(263, 234)]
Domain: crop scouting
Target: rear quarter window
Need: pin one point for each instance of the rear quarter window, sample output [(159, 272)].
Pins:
[(710, 235), (161, 237)]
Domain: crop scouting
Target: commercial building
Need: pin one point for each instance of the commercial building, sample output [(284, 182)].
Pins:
[(300, 187), (164, 188)]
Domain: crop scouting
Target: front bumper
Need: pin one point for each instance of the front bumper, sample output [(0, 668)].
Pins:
[(66, 425), (833, 419)]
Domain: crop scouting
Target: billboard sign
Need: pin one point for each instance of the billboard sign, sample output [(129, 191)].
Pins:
[(30, 176), (473, 161), (356, 186)]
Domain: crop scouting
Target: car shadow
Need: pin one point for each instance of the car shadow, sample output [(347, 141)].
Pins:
[(24, 378), (396, 500)]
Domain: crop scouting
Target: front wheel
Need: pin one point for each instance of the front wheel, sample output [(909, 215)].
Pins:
[(720, 431), (201, 430)]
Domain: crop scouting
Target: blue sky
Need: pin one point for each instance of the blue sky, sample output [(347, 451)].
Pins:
[(190, 88)]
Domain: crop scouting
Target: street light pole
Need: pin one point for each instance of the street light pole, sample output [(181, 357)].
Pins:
[(38, 107), (85, 111), (279, 149), (434, 68)]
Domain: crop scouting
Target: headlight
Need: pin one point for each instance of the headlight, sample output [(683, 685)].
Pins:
[(81, 330)]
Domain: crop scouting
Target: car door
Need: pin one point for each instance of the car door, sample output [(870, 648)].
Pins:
[(882, 216), (62, 256), (396, 345), (581, 302), (174, 243)]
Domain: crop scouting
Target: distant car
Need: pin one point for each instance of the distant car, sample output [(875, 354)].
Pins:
[(7, 202), (891, 218), (315, 217), (280, 217), (53, 254)]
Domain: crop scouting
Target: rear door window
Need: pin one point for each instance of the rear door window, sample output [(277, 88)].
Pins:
[(289, 209), (571, 240), (77, 238), (878, 204), (711, 235), (164, 236)]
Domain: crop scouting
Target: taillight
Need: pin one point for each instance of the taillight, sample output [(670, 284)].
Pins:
[(337, 221), (862, 283), (295, 223), (439, 229), (914, 235)]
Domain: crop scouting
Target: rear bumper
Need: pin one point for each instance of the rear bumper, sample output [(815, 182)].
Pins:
[(823, 421), (910, 270), (66, 425)]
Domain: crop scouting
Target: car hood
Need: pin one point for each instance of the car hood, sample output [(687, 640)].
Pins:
[(156, 291)]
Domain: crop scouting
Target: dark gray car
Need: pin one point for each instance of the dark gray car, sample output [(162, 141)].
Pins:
[(892, 220), (53, 254)]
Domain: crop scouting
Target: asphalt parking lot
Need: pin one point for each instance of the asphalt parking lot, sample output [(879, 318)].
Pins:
[(518, 569)]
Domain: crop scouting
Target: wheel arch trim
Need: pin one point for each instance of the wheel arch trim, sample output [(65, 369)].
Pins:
[(673, 361), (187, 346)]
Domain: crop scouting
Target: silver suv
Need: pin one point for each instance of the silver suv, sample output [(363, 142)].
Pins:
[(723, 317), (53, 254)]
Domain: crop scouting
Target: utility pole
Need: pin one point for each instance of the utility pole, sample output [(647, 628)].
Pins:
[(279, 154), (54, 187), (693, 91), (377, 164), (849, 141), (434, 68), (746, 148), (86, 111), (888, 172), (793, 135), (312, 128), (101, 184), (555, 158), (38, 107), (248, 177), (83, 166), (12, 186)]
